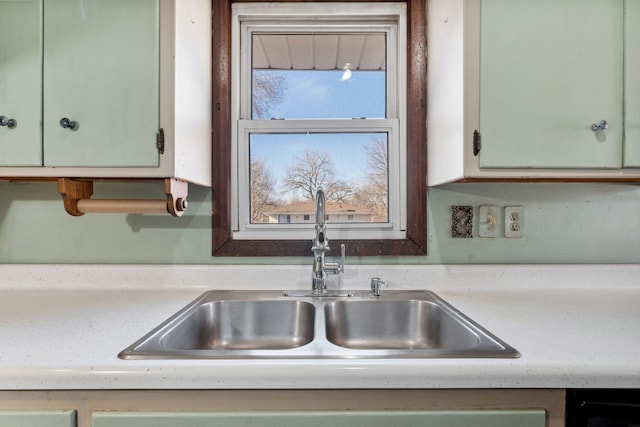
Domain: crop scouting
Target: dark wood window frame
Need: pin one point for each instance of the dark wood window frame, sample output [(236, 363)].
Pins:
[(415, 242)]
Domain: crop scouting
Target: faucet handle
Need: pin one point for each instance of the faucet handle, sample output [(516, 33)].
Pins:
[(336, 267), (343, 257)]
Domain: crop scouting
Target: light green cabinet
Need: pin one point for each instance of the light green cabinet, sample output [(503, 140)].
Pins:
[(101, 70), (548, 71), (20, 82), (130, 78), (38, 418), (304, 408), (94, 63), (516, 87), (632, 84), (480, 418)]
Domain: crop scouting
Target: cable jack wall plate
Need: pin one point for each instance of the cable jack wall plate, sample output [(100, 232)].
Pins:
[(462, 222)]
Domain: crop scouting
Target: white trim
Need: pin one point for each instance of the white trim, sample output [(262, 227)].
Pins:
[(312, 11), (389, 18)]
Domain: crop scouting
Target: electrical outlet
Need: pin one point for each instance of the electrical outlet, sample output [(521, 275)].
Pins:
[(513, 221), (488, 221), (462, 222)]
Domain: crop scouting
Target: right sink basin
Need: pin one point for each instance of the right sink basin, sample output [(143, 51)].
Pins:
[(398, 325), (408, 324)]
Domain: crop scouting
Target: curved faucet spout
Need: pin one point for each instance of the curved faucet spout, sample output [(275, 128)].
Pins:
[(320, 246), (320, 241), (320, 209)]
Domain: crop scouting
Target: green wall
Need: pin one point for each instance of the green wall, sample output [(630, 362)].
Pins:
[(564, 223)]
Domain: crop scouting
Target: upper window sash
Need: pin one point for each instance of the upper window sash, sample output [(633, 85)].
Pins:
[(248, 18)]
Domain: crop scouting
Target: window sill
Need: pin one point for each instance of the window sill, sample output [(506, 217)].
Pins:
[(266, 248)]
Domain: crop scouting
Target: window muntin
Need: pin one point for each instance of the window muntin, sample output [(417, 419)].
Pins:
[(379, 25)]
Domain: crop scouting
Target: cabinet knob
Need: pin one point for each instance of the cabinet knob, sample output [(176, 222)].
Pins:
[(66, 123), (600, 126), (6, 121)]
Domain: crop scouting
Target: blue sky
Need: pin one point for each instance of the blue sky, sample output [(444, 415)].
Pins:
[(322, 94), (347, 151)]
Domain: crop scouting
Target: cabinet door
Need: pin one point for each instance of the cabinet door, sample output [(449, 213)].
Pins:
[(494, 418), (549, 70), (632, 84), (101, 71), (20, 82), (38, 418)]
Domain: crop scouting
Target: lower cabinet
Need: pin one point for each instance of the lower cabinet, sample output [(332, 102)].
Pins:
[(38, 418), (283, 408), (480, 418)]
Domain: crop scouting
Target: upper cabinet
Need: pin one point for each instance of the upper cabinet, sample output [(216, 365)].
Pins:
[(632, 84), (548, 71), (20, 82), (533, 89), (101, 74), (106, 88)]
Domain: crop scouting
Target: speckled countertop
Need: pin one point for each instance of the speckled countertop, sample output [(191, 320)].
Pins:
[(62, 326)]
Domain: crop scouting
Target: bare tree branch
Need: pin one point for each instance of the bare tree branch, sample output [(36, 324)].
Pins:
[(266, 91), (262, 191), (374, 194), (312, 170)]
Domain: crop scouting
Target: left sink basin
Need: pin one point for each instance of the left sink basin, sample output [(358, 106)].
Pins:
[(225, 327), (243, 325)]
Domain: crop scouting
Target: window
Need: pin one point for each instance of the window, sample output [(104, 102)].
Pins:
[(257, 123), (284, 219), (318, 100)]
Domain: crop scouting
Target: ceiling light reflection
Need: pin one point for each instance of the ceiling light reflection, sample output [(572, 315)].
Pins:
[(346, 75)]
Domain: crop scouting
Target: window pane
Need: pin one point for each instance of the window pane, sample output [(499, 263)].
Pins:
[(287, 168), (307, 76)]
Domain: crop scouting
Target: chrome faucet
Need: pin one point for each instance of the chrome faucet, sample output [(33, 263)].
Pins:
[(320, 246)]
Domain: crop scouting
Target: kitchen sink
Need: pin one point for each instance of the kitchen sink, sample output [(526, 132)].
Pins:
[(263, 324)]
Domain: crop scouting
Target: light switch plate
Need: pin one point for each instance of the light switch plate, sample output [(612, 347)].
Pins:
[(488, 221), (513, 221)]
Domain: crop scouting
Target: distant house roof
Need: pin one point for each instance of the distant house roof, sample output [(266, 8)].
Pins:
[(310, 208)]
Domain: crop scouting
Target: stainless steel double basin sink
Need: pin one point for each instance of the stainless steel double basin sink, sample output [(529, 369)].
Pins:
[(277, 325)]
